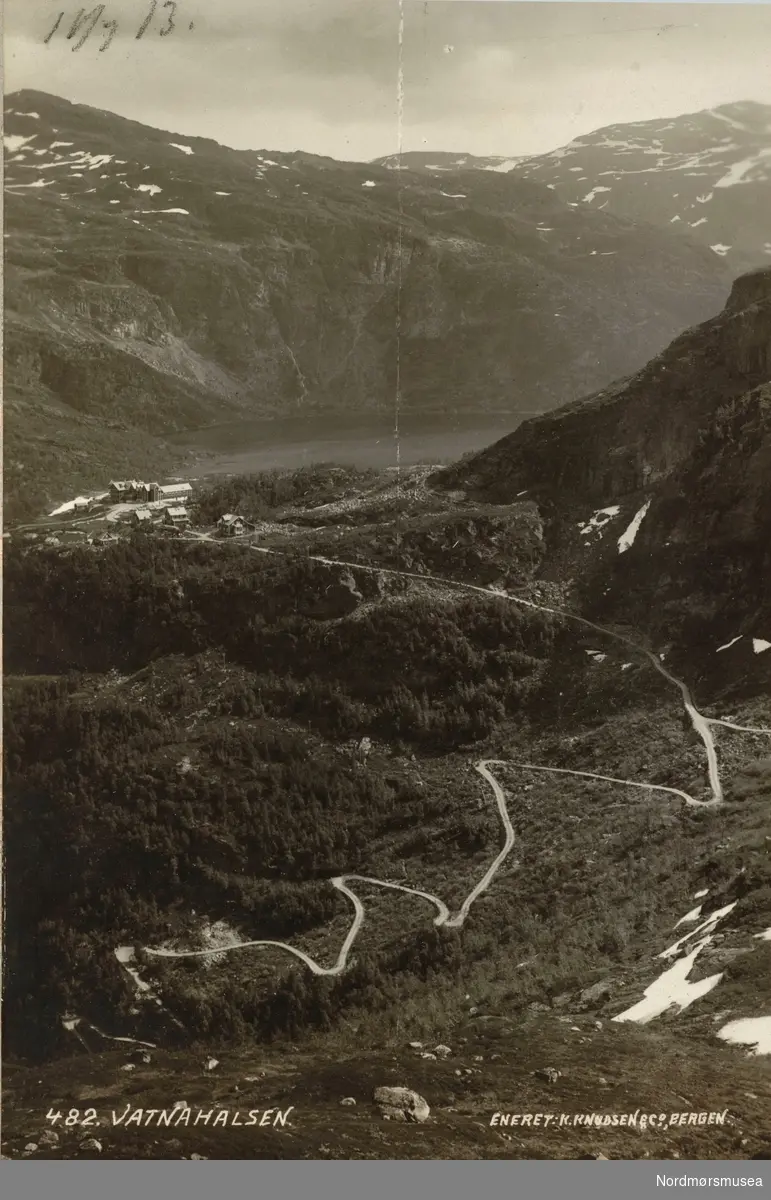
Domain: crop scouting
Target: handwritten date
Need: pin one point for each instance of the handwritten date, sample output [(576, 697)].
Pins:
[(85, 23)]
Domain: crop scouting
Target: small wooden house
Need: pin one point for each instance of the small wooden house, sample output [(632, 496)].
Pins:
[(177, 516), (231, 525)]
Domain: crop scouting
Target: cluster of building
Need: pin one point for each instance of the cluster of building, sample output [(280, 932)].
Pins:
[(68, 537), (171, 497), (125, 491), (144, 506)]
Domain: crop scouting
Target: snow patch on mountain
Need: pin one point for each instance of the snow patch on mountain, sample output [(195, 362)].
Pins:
[(507, 164), (690, 917), (15, 141), (38, 183), (627, 539), (672, 989), (94, 160), (740, 170), (754, 1032), (722, 116), (706, 928), (594, 192), (598, 520)]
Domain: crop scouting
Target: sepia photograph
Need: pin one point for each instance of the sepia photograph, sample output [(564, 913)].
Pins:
[(387, 581)]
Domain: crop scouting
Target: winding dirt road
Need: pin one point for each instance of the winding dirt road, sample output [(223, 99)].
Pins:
[(341, 882), (701, 724)]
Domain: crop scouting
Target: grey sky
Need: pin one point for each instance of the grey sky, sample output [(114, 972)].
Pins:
[(483, 77)]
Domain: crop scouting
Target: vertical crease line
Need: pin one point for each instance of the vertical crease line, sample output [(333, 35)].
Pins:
[(400, 115), (399, 128)]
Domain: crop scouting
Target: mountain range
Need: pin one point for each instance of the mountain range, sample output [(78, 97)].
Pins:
[(707, 174), (157, 283)]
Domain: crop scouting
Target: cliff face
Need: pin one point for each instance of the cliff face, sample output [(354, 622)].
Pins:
[(697, 575), (642, 431)]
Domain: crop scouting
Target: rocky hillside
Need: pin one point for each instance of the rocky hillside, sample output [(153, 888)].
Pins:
[(641, 430), (322, 1106), (663, 482), (707, 174), (156, 283)]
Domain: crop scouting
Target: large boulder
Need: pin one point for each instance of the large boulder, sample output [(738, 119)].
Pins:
[(401, 1104), (550, 1074), (595, 994), (91, 1145)]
